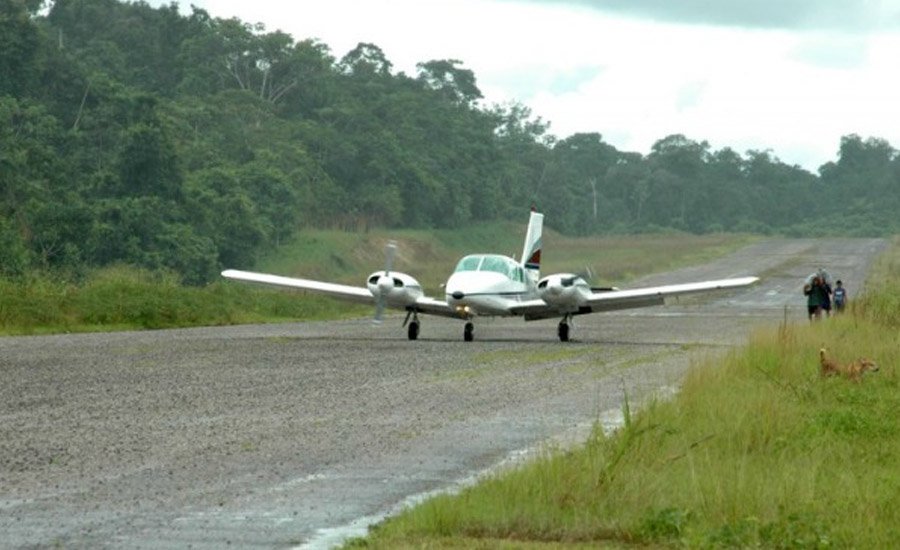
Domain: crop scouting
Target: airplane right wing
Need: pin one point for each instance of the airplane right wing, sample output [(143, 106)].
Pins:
[(625, 299), (595, 302)]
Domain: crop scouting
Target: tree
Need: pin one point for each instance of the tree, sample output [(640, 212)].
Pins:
[(311, 66), (19, 42), (148, 164), (366, 60), (29, 170), (863, 185), (723, 198), (188, 142), (780, 195), (455, 83), (632, 174), (678, 162), (523, 155), (585, 161), (15, 258)]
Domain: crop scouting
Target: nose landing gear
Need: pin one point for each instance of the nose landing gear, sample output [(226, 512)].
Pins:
[(563, 329), (412, 331), (468, 331)]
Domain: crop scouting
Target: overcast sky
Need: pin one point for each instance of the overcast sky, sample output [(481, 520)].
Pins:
[(792, 76)]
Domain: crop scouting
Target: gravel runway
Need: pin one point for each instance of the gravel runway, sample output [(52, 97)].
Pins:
[(284, 435)]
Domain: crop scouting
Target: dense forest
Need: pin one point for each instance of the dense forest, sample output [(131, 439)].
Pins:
[(139, 135)]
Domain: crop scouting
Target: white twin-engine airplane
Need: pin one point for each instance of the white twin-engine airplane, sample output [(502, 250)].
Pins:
[(485, 285)]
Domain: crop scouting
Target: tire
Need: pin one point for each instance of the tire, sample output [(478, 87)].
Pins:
[(563, 332), (468, 332), (413, 331)]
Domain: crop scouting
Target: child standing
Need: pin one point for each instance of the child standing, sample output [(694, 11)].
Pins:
[(840, 296)]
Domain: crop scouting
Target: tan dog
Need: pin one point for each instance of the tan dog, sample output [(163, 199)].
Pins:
[(853, 371)]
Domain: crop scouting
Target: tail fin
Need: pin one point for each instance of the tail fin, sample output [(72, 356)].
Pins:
[(531, 253)]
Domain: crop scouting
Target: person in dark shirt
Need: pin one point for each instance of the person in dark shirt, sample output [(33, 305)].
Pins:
[(826, 300), (816, 296)]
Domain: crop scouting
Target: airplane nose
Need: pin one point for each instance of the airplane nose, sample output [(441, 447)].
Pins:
[(385, 284)]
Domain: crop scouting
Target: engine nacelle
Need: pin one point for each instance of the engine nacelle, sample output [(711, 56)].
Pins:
[(395, 288), (563, 290)]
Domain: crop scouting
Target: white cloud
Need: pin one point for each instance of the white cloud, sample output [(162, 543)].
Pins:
[(846, 15), (635, 81)]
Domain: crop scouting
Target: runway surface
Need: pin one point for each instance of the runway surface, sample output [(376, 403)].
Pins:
[(302, 434)]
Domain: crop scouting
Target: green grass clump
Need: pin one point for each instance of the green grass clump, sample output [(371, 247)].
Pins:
[(126, 298), (756, 450), (882, 303)]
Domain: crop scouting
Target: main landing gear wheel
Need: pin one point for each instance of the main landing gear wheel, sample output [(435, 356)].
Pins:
[(468, 335), (413, 330), (563, 331)]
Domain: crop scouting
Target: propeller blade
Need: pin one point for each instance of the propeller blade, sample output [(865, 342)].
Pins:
[(586, 274), (379, 311), (390, 250)]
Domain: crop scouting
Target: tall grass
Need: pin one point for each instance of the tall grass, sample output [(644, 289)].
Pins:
[(882, 303), (126, 298), (756, 450)]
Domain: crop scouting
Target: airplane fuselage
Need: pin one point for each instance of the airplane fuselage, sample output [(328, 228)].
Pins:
[(488, 285)]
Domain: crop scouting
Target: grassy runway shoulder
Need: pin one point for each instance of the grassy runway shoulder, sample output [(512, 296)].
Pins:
[(756, 450)]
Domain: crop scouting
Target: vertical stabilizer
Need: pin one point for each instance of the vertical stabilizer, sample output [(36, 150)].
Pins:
[(531, 253)]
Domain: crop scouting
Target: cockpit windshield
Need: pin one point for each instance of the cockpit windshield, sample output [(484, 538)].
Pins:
[(494, 263), (469, 263), (497, 264)]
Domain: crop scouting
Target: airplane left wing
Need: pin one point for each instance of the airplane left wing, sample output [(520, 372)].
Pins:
[(594, 302), (345, 292), (413, 300)]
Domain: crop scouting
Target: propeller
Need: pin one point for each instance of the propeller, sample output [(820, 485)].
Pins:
[(587, 274), (385, 282)]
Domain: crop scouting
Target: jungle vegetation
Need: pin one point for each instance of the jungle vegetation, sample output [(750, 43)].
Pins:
[(184, 143)]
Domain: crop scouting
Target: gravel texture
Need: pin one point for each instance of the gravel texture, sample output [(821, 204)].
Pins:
[(282, 435)]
